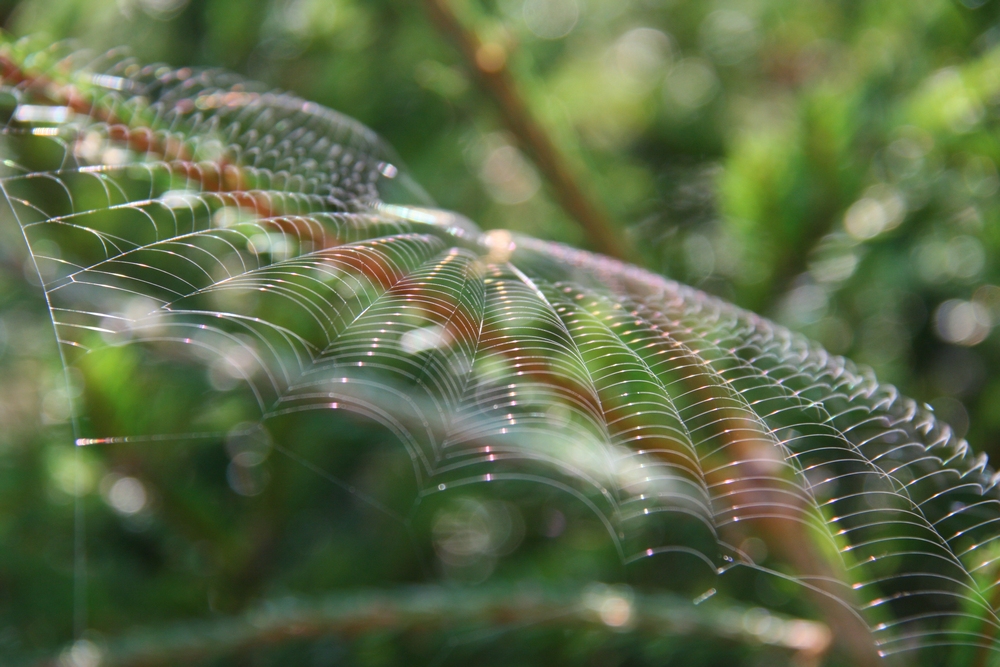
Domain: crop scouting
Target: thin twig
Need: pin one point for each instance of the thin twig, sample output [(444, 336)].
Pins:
[(488, 62), (464, 615)]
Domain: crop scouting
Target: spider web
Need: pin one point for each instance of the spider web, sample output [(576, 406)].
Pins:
[(191, 222)]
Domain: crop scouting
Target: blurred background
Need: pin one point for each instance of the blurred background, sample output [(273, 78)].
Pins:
[(831, 165)]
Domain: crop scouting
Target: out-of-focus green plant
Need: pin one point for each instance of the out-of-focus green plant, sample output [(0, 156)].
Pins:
[(832, 166)]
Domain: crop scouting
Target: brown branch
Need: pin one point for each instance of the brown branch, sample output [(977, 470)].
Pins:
[(457, 613), (488, 61)]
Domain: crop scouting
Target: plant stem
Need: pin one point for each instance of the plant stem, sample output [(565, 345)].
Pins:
[(466, 615), (489, 64)]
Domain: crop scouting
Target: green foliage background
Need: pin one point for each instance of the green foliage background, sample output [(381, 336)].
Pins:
[(832, 165)]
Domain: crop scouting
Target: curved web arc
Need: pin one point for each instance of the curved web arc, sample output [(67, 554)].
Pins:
[(590, 392), (938, 541), (789, 394), (627, 404), (723, 419), (343, 353), (574, 257), (469, 339), (513, 340), (175, 194), (130, 206)]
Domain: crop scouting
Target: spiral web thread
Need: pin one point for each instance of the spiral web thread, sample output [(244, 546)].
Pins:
[(273, 241)]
